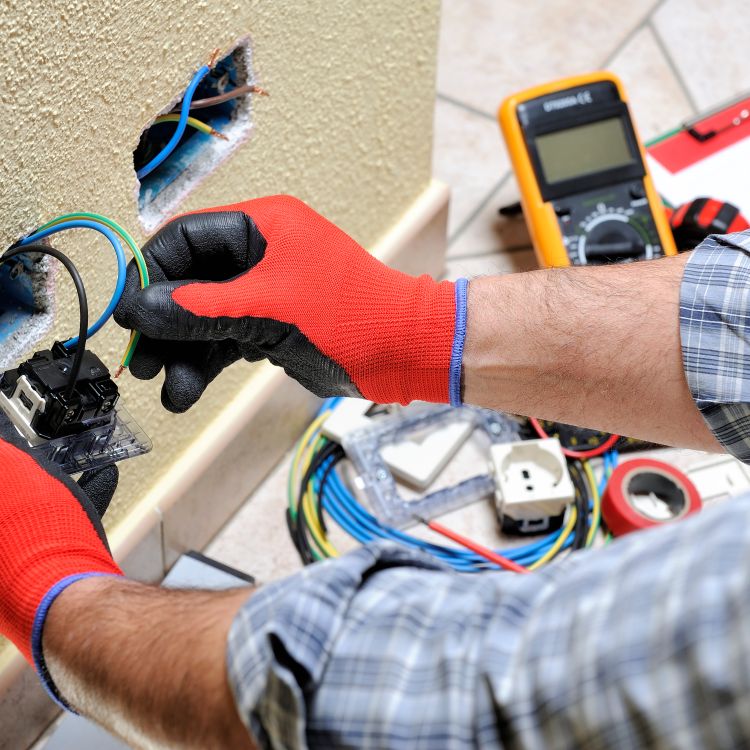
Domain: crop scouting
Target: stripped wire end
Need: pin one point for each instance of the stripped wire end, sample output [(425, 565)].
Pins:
[(217, 134), (214, 57), (259, 91), (119, 371)]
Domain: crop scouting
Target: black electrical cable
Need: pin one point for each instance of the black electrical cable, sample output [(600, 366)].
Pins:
[(303, 542), (299, 537), (582, 507), (582, 500), (292, 526), (335, 459), (83, 307)]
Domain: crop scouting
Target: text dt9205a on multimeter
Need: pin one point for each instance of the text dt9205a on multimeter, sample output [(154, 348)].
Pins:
[(585, 190)]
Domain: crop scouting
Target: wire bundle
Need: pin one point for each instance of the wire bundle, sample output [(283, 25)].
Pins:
[(315, 490), (184, 120), (608, 443), (182, 123), (116, 235)]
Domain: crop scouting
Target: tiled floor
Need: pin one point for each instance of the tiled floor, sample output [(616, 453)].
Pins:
[(675, 58)]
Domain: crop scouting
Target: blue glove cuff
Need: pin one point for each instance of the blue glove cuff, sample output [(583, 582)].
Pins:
[(457, 354), (36, 635)]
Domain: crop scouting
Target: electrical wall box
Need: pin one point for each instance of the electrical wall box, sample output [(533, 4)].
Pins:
[(26, 304), (197, 154), (531, 478)]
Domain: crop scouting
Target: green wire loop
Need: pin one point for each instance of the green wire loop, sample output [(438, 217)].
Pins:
[(137, 254)]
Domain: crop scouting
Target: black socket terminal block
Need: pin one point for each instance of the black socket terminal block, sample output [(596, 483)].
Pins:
[(80, 427), (48, 373)]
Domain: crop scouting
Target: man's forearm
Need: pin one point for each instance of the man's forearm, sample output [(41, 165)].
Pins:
[(597, 347), (146, 663)]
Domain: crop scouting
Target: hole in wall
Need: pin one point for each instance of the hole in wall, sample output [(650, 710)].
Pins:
[(197, 153), (26, 306)]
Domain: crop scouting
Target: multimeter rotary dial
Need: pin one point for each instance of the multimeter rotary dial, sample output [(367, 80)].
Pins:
[(608, 231), (610, 235)]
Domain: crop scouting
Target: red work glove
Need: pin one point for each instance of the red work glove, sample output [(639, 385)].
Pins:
[(271, 278), (50, 537)]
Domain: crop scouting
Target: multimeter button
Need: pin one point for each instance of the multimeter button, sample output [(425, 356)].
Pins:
[(562, 210), (637, 191)]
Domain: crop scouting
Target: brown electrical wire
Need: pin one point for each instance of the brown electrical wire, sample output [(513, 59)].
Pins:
[(233, 94)]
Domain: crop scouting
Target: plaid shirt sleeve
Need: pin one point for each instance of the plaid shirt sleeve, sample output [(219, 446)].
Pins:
[(715, 333), (641, 644)]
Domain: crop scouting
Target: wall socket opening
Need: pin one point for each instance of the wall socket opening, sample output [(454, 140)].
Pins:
[(197, 153), (26, 305)]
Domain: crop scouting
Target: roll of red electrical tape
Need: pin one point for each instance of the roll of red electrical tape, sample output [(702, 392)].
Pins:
[(643, 493)]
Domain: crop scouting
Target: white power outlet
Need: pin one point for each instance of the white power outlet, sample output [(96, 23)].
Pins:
[(531, 478)]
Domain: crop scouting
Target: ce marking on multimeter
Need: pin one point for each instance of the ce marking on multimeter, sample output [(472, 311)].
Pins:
[(585, 189)]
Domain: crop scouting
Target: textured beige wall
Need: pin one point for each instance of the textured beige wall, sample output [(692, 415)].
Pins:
[(347, 128)]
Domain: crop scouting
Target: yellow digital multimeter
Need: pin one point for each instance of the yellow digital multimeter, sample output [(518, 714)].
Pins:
[(585, 190)]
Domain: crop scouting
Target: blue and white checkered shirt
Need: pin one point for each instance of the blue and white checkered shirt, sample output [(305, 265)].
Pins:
[(642, 644)]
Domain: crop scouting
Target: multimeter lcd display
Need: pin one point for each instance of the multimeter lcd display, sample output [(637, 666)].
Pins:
[(583, 150)]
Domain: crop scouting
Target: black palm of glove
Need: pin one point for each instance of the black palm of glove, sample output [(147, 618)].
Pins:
[(199, 246)]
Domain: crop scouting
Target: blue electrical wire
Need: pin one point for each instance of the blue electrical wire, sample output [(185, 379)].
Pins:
[(611, 459), (121, 265), (364, 527), (181, 125), (355, 520)]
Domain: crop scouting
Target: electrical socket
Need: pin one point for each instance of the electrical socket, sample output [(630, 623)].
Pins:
[(531, 478)]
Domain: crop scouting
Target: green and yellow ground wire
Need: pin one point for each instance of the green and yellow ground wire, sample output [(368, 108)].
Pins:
[(311, 442), (139, 260), (193, 122)]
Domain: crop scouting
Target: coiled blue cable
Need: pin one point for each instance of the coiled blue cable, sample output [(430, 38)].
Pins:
[(354, 519), (364, 527), (146, 170), (348, 513), (121, 265)]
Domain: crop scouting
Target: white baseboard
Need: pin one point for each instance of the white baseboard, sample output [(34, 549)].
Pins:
[(204, 488)]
